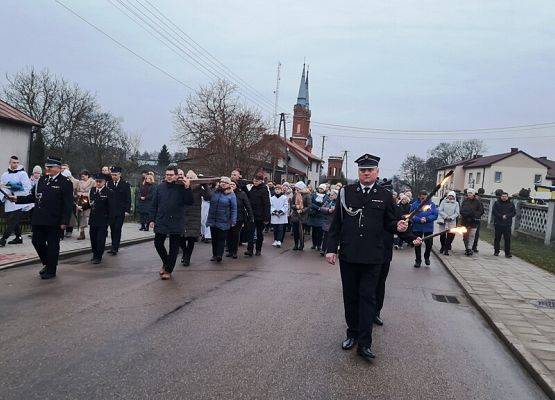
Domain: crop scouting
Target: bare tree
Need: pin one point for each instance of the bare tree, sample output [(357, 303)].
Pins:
[(452, 152), (215, 121), (413, 170)]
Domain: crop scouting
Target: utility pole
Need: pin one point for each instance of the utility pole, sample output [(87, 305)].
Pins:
[(322, 157), (345, 153), (276, 93), (286, 149)]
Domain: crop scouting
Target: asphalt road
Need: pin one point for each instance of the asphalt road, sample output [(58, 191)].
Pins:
[(269, 327)]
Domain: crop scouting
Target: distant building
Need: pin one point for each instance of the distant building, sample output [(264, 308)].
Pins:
[(16, 135), (335, 166), (509, 171)]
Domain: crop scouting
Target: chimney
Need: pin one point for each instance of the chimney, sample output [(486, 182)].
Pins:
[(514, 149), (543, 158), (478, 156)]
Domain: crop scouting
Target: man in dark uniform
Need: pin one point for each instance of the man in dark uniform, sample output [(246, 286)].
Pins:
[(364, 212), (122, 197), (102, 207), (53, 198)]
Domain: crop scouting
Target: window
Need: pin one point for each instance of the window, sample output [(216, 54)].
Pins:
[(498, 176), (470, 176), (298, 128), (538, 178), (478, 177)]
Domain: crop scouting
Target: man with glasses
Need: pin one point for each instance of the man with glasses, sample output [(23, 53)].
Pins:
[(122, 196), (53, 198), (167, 217)]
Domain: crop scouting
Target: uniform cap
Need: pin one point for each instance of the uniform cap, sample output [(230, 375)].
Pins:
[(99, 176), (115, 170), (53, 162), (368, 161)]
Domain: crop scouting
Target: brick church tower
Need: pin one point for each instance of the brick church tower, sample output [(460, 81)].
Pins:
[(301, 116)]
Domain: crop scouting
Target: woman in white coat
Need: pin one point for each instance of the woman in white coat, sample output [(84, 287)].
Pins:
[(279, 208), (449, 211)]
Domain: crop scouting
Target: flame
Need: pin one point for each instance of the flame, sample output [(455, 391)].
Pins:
[(426, 207), (444, 180), (460, 230)]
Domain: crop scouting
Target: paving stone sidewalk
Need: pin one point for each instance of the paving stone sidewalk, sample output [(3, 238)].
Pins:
[(12, 255), (504, 290)]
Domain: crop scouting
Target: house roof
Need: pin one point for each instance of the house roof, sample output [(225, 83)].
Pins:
[(550, 164), (302, 150), (10, 113), (449, 166), (489, 160)]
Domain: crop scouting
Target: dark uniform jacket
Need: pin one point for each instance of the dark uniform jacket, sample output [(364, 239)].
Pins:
[(53, 201), (168, 208), (122, 196), (361, 237), (102, 207)]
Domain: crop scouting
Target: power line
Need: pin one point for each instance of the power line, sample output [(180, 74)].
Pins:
[(552, 136), (124, 46)]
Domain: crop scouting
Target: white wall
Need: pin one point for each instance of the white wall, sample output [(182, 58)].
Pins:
[(14, 141), (314, 175)]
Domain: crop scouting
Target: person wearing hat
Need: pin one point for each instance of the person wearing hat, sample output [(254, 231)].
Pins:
[(16, 182), (122, 196), (102, 211), (259, 196), (317, 216), (364, 212), (471, 213), (167, 217), (53, 198), (222, 216), (423, 225)]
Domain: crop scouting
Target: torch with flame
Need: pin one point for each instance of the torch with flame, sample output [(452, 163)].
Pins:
[(423, 204), (458, 230)]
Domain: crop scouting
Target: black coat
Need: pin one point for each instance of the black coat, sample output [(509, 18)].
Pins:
[(501, 208), (53, 201), (193, 212), (259, 197), (471, 212), (244, 209), (102, 207), (143, 206), (361, 237), (168, 208), (122, 196)]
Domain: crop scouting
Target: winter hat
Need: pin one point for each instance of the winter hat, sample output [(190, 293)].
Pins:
[(38, 169), (225, 179), (323, 186), (452, 193), (300, 185), (470, 191)]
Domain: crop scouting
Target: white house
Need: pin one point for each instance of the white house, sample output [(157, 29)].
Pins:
[(15, 134)]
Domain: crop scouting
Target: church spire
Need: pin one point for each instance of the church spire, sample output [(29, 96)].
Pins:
[(302, 98)]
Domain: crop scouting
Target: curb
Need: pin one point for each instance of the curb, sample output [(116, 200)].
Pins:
[(534, 367), (72, 253)]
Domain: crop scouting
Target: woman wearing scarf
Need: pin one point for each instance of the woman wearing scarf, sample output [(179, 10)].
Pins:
[(317, 218), (299, 206)]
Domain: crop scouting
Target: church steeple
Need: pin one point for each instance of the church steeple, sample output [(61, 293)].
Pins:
[(302, 98)]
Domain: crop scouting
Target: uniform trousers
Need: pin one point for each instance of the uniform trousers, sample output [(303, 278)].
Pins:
[(46, 240), (380, 290), (98, 240), (168, 258), (359, 283), (115, 231)]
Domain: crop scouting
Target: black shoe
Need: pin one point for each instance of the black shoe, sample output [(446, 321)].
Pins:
[(348, 343), (17, 240), (258, 253), (2, 242), (475, 251), (442, 250), (42, 271), (378, 320), (468, 253), (496, 253), (96, 261), (248, 253), (312, 247), (229, 255), (295, 248), (185, 261), (427, 261), (446, 252), (218, 259), (509, 255), (113, 252), (365, 352), (48, 275), (234, 256), (417, 264)]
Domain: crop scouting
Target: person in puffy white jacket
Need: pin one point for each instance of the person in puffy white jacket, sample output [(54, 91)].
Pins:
[(14, 182), (279, 209)]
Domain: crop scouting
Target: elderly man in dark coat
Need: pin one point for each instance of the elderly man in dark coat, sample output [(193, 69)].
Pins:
[(167, 216)]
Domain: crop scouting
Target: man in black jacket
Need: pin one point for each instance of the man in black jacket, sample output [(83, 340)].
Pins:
[(244, 217), (122, 197), (102, 205), (364, 212), (53, 198), (471, 213), (503, 212), (259, 196)]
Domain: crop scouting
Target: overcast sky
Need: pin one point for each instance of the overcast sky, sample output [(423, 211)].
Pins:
[(407, 65)]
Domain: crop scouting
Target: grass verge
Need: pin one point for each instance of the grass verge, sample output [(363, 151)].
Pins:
[(528, 248)]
